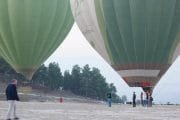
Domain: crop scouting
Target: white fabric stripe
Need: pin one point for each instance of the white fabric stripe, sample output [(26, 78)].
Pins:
[(139, 73), (87, 22)]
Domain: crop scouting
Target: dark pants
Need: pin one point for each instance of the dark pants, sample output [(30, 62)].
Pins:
[(142, 102), (134, 104), (109, 102)]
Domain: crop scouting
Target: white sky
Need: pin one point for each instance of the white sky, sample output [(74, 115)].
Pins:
[(76, 50)]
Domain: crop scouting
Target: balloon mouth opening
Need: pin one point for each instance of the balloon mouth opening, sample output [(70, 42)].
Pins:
[(28, 73)]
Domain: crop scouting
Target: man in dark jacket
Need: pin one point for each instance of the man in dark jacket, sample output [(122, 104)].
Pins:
[(134, 99), (12, 97)]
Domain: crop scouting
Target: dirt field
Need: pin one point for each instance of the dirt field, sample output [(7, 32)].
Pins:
[(85, 111)]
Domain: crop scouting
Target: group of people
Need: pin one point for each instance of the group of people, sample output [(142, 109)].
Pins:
[(12, 97), (147, 102), (146, 99)]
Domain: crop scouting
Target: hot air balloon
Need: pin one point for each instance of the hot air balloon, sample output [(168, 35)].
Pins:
[(30, 30), (140, 39)]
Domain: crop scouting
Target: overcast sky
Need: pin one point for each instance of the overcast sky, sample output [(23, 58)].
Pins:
[(76, 50)]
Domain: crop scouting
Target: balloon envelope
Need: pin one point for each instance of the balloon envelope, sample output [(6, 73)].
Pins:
[(139, 38), (30, 30)]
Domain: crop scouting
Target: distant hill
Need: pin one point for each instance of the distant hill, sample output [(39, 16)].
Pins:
[(39, 94)]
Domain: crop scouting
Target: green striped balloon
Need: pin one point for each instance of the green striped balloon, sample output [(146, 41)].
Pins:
[(140, 39), (30, 30)]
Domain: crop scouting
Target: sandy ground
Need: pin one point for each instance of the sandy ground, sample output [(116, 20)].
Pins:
[(87, 111)]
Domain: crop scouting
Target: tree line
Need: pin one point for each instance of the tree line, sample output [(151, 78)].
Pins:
[(85, 81)]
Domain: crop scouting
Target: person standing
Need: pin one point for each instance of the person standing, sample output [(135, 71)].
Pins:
[(12, 97), (142, 102), (109, 99), (151, 101), (134, 99), (147, 98)]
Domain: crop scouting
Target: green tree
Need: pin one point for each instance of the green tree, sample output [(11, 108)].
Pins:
[(99, 84), (76, 78), (41, 76), (85, 82), (112, 88), (67, 80), (55, 76)]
